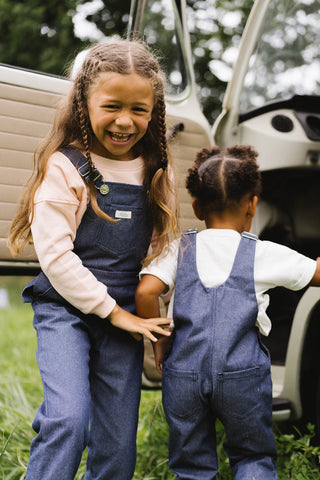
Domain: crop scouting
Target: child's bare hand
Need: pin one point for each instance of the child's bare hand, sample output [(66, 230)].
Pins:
[(159, 349), (138, 326)]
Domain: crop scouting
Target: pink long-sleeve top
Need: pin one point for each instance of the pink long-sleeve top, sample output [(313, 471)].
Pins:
[(59, 205)]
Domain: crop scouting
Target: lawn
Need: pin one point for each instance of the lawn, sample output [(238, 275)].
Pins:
[(20, 395)]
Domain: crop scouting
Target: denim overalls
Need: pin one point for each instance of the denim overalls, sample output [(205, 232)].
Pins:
[(91, 371), (216, 367)]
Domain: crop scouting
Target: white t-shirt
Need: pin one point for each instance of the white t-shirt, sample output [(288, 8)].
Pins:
[(275, 265)]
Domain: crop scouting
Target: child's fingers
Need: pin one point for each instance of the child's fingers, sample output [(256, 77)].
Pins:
[(161, 321), (154, 338), (159, 331), (153, 332), (139, 326), (149, 335), (157, 322)]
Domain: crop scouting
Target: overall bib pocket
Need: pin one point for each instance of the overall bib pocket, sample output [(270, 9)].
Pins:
[(113, 237)]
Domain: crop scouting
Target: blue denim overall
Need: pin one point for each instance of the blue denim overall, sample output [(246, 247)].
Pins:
[(91, 371), (216, 367)]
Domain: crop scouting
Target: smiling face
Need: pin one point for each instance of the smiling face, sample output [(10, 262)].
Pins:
[(120, 108)]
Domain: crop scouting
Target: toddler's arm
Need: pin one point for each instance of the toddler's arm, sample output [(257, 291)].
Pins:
[(147, 296), (159, 349), (147, 303), (315, 281)]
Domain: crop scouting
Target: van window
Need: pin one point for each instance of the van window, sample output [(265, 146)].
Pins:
[(287, 57), (161, 29)]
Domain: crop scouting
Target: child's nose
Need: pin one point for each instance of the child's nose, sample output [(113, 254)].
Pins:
[(124, 120)]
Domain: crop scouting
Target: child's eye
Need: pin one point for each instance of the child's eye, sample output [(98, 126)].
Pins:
[(140, 110), (111, 106)]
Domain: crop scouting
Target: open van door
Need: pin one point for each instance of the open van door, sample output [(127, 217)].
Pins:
[(273, 103)]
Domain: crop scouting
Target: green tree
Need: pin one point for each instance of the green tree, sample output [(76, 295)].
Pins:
[(112, 18), (38, 35)]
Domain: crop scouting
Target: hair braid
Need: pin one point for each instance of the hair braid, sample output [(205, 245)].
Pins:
[(163, 131), (84, 128)]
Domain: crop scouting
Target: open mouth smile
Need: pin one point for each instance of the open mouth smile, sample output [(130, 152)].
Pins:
[(120, 137)]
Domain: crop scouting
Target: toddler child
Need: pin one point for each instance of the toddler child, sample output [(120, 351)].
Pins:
[(215, 364)]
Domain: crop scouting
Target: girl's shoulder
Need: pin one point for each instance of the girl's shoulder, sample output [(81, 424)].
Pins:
[(62, 181), (59, 163), (58, 160)]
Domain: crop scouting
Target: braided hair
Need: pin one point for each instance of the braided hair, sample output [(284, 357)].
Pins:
[(220, 179)]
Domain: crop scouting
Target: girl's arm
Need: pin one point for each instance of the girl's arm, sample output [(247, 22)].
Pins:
[(147, 303), (60, 204)]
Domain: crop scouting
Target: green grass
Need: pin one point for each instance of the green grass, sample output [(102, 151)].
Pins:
[(21, 394)]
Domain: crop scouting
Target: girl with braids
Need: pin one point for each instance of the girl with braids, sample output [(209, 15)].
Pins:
[(101, 187), (215, 365)]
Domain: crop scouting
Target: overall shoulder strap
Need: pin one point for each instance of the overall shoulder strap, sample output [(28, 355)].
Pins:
[(188, 239), (187, 251), (78, 160), (249, 235), (243, 265), (81, 163)]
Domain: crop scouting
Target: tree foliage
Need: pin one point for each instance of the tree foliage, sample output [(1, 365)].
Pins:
[(37, 34), (112, 18), (40, 36)]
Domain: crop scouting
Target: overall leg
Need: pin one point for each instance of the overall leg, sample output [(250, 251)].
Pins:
[(115, 375), (246, 413), (61, 422), (192, 433)]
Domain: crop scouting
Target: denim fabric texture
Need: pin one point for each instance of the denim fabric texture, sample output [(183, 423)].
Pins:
[(216, 367), (90, 370)]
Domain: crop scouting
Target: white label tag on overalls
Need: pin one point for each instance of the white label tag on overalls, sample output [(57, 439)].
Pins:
[(123, 214)]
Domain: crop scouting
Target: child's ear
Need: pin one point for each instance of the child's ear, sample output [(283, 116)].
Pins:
[(253, 205), (197, 209)]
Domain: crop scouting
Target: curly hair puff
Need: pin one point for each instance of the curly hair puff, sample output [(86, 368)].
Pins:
[(220, 179)]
